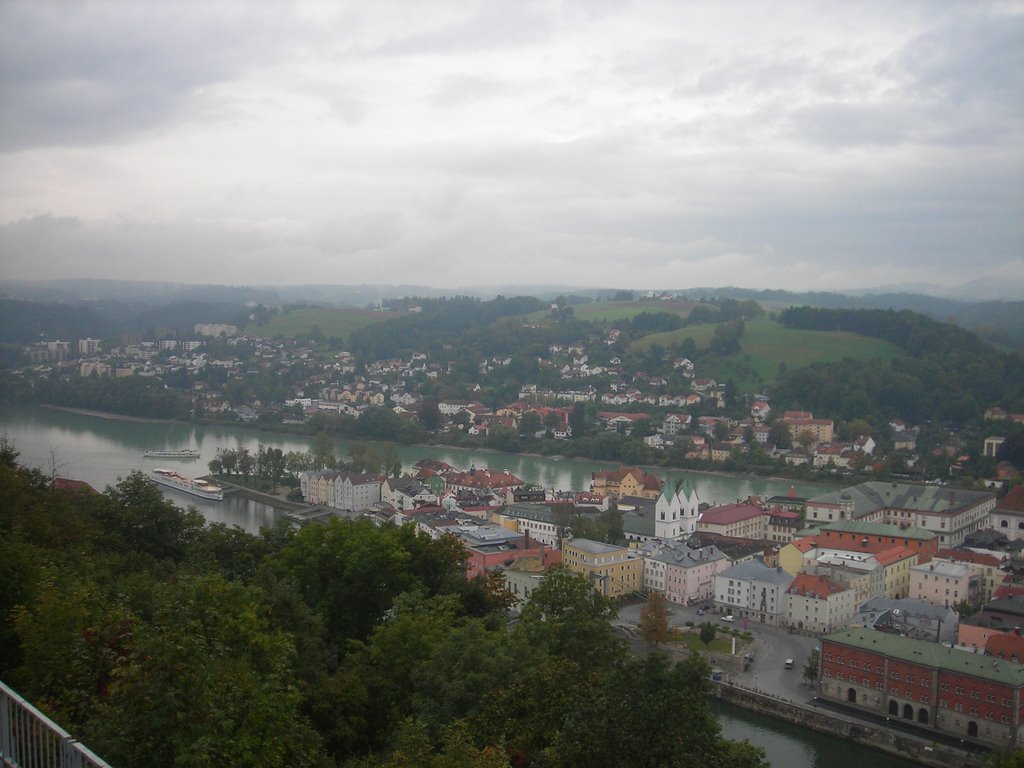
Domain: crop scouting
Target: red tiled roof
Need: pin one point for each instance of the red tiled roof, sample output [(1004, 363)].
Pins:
[(816, 586), (966, 556), (1013, 501), (893, 555), (72, 486), (805, 544), (729, 513), (1008, 645)]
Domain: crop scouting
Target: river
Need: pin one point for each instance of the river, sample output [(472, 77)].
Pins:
[(100, 451), (789, 746)]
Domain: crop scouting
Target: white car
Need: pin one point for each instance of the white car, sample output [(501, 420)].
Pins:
[(789, 663), (730, 618)]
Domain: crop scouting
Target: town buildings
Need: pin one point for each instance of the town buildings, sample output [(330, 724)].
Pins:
[(685, 575), (956, 692), (949, 513), (752, 590), (1008, 514), (612, 570)]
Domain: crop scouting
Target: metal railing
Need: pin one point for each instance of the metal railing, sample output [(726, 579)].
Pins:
[(29, 739)]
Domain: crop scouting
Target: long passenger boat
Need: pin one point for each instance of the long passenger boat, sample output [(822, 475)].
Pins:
[(200, 488), (180, 453)]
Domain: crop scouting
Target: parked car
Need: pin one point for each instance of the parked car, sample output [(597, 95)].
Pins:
[(700, 611), (729, 617), (789, 663)]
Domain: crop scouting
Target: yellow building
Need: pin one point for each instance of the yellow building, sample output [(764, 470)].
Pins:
[(626, 481), (897, 562), (610, 569), (791, 556)]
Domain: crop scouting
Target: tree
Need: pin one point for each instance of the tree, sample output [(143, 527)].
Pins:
[(323, 450), (567, 618), (228, 459), (707, 633), (654, 619), (529, 424), (811, 667), (807, 440), (391, 461), (207, 682), (246, 462)]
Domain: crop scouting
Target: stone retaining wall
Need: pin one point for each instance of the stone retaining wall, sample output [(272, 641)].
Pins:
[(901, 745)]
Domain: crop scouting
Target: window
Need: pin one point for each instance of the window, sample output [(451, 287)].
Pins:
[(895, 675), (924, 682)]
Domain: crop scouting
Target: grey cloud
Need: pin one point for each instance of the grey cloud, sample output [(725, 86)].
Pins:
[(368, 232), (455, 90), (73, 73)]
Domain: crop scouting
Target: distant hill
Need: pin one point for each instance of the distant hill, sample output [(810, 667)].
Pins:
[(26, 322), (996, 321)]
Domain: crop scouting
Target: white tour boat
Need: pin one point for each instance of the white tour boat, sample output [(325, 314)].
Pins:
[(180, 453), (200, 488)]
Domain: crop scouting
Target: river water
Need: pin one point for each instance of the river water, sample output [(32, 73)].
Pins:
[(101, 451), (789, 745)]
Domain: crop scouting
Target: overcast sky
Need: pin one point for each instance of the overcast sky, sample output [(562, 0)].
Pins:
[(606, 143)]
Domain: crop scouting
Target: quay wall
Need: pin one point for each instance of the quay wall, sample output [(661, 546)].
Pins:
[(891, 742)]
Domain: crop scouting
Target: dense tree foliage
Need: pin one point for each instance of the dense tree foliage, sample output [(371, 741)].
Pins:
[(160, 641), (947, 375), (132, 395)]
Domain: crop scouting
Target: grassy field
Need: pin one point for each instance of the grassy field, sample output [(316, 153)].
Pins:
[(333, 322), (722, 643), (614, 311), (765, 344)]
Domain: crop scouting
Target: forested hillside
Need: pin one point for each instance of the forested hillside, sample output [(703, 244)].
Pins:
[(160, 641), (948, 374)]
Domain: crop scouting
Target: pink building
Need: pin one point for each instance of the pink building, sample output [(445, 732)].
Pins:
[(945, 584)]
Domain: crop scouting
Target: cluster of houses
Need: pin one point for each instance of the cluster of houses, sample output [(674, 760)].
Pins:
[(669, 413), (898, 579)]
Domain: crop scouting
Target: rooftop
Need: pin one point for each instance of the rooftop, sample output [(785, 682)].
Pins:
[(932, 655), (874, 495), (756, 570), (729, 513), (593, 547), (879, 529)]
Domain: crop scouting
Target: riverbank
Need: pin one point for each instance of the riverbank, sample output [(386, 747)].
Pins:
[(304, 436), (108, 415), (906, 746), (278, 500)]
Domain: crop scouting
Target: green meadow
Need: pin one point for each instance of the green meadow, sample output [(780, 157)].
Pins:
[(766, 344), (332, 322), (616, 311)]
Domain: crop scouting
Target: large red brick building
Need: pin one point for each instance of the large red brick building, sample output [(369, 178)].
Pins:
[(964, 694)]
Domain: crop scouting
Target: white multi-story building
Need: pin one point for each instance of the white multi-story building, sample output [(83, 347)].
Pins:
[(817, 603), (88, 346), (752, 590)]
